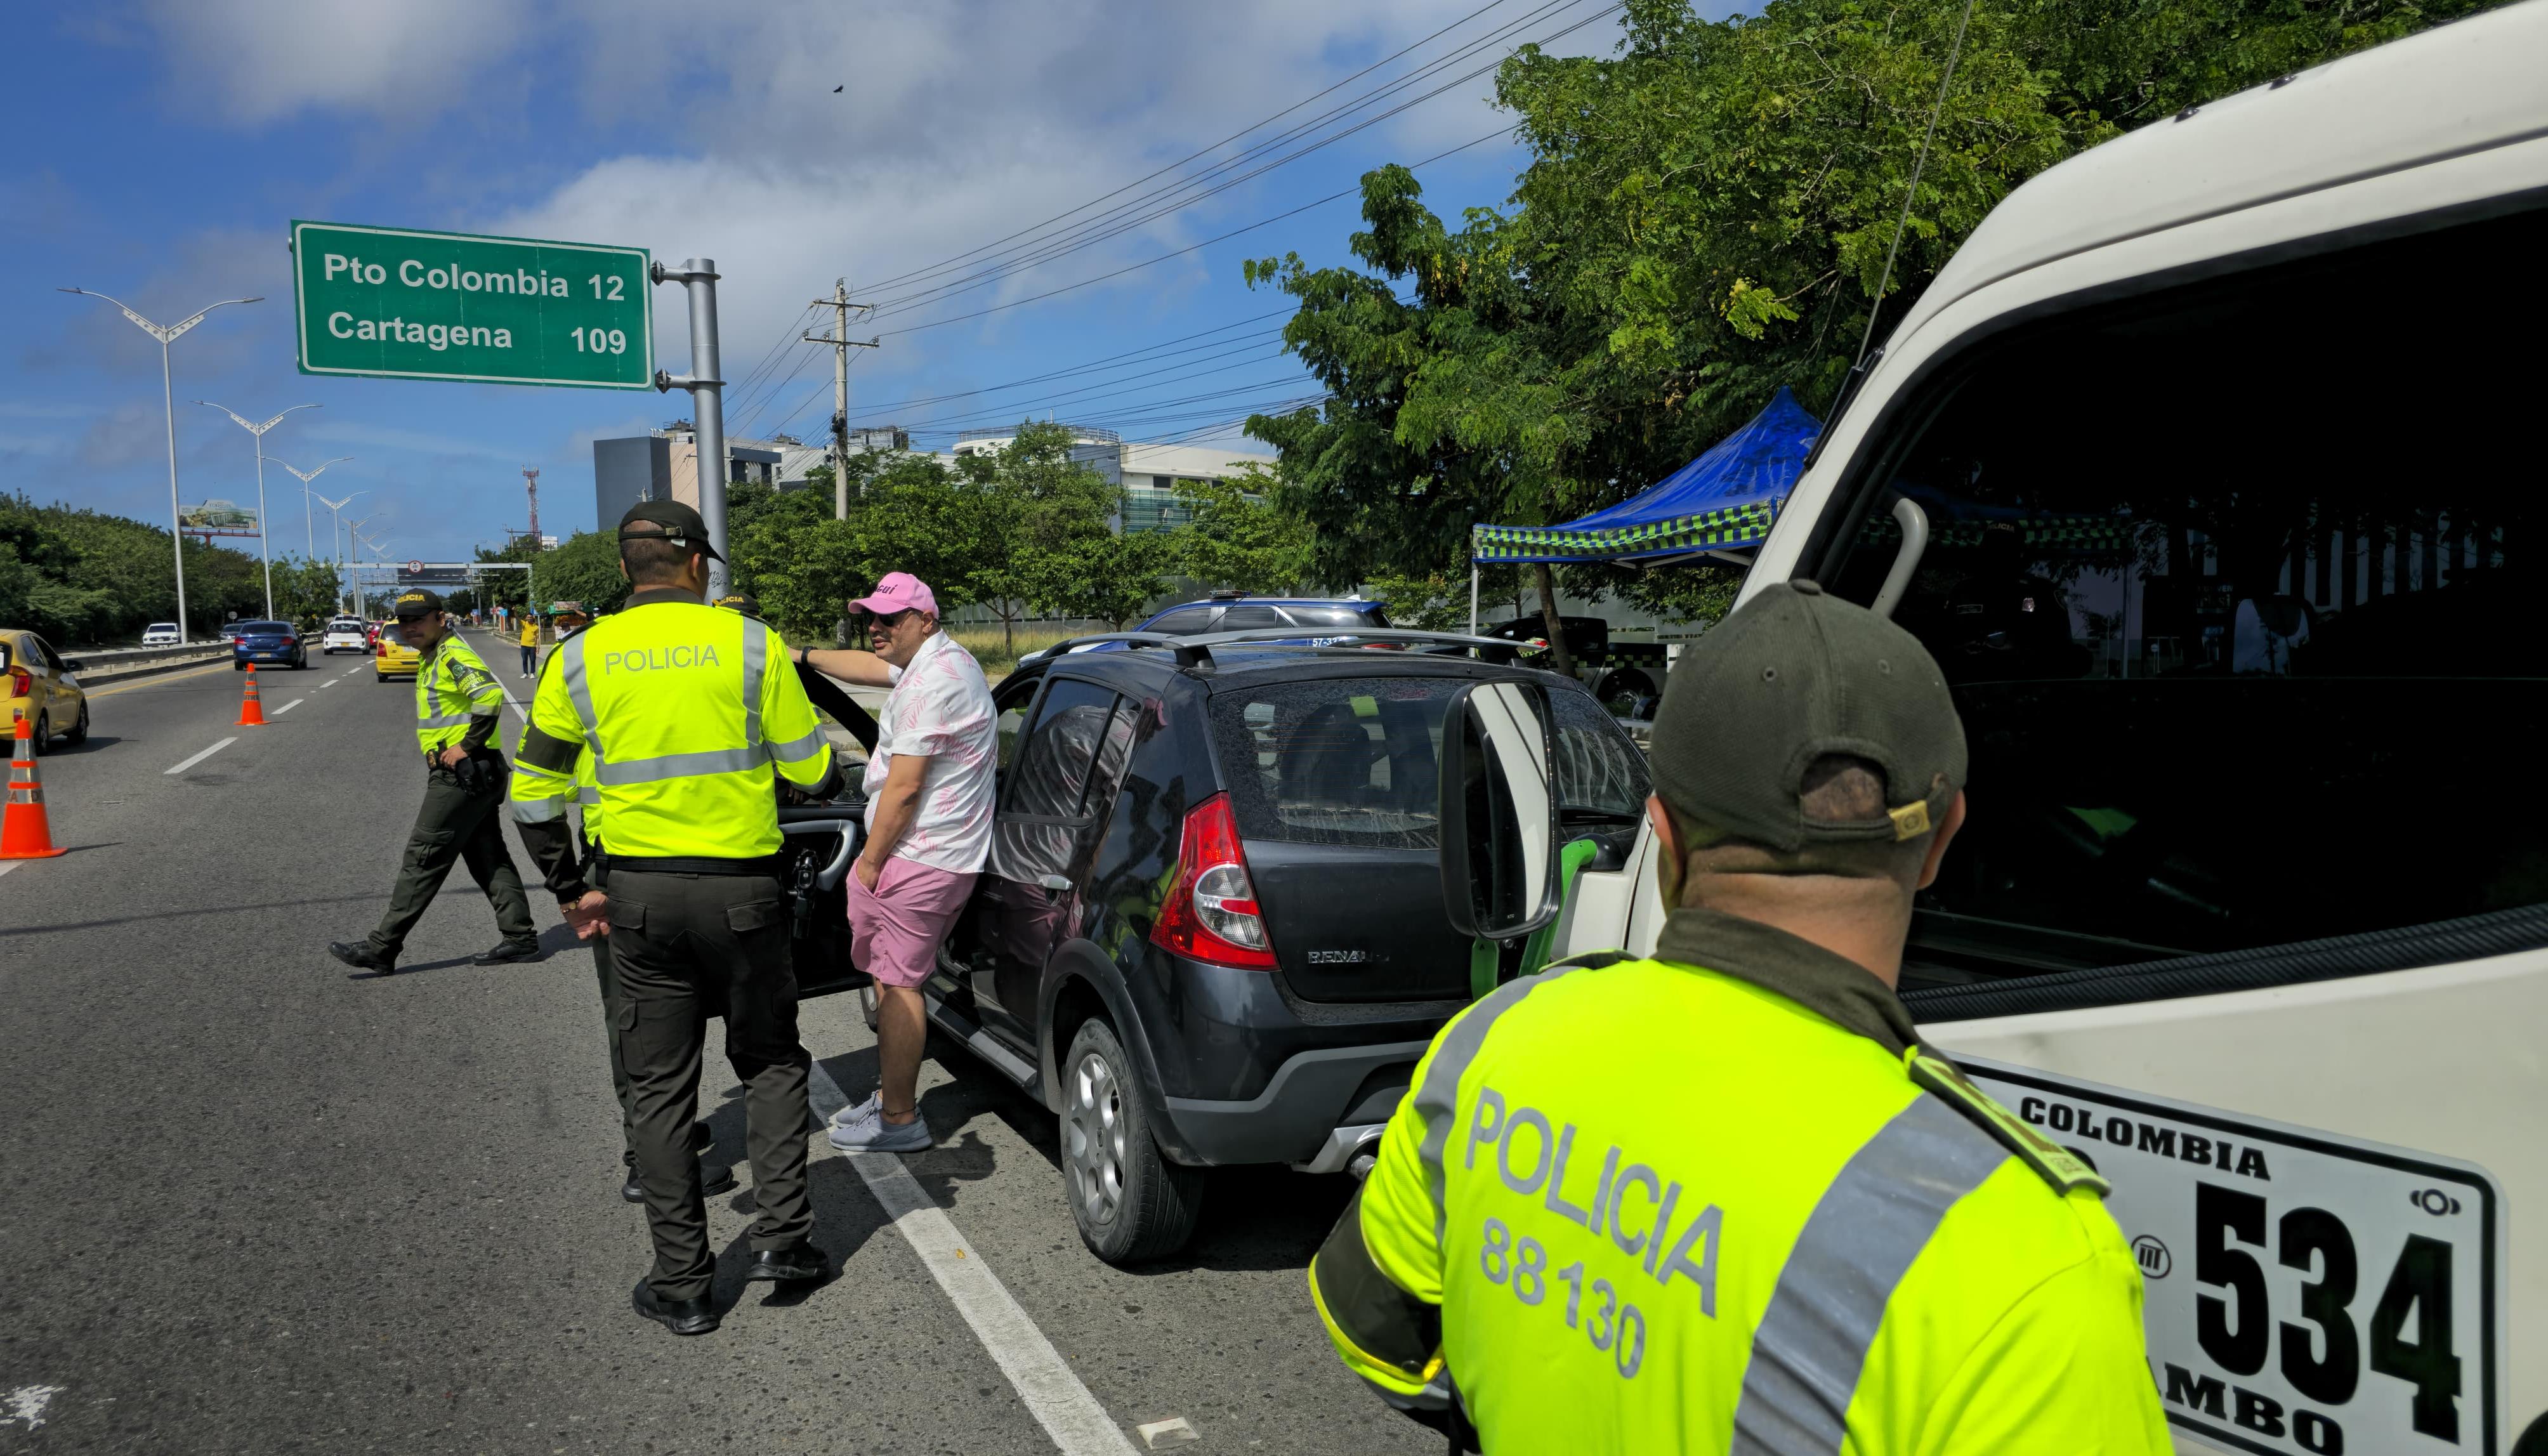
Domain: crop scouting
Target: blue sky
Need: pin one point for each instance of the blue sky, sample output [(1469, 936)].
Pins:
[(164, 145)]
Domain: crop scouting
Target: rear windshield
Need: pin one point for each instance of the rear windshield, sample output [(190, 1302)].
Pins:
[(1352, 761), (1346, 761), (262, 627), (161, 628)]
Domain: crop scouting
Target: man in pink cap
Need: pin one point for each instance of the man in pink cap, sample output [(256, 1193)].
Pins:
[(929, 788)]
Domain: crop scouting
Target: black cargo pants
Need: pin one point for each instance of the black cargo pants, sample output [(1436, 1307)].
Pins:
[(684, 947), (461, 820)]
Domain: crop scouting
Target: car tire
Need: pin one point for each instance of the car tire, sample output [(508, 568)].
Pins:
[(1131, 1204), (380, 676), (238, 666), (44, 736), (79, 730)]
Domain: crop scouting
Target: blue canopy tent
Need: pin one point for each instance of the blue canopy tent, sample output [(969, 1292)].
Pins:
[(1724, 501)]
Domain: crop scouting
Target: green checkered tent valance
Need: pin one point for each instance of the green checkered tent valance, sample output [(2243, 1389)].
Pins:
[(2073, 535), (1717, 530), (1724, 501)]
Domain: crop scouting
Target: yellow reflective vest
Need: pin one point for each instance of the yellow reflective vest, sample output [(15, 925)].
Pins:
[(1652, 1206), (587, 790), (680, 713), (452, 686)]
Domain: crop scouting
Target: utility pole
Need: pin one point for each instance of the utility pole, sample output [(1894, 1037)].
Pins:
[(168, 399), (335, 535), (533, 476), (840, 343)]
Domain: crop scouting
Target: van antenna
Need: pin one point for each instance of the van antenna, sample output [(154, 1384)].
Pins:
[(1913, 190)]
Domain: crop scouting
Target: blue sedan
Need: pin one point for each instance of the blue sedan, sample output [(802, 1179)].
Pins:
[(277, 643)]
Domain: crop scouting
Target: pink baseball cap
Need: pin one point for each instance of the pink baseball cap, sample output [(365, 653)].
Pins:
[(899, 592)]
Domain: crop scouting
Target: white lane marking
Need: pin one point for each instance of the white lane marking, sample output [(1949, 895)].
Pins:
[(199, 758), (26, 1403), (332, 681), (287, 707), (1054, 1396), (8, 865)]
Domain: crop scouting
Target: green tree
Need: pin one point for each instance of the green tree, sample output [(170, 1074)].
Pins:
[(1238, 537), (1705, 217)]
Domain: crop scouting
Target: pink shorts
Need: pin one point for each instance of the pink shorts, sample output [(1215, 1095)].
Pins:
[(896, 928)]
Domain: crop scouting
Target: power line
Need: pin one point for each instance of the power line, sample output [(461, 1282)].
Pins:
[(1180, 252), (1082, 234), (1070, 369), (1190, 156)]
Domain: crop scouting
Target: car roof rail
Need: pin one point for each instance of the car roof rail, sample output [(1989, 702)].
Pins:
[(1187, 655), (1196, 651), (1502, 650)]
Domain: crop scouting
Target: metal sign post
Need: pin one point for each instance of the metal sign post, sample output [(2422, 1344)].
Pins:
[(707, 403)]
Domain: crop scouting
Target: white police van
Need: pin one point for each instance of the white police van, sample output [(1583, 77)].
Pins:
[(2207, 471)]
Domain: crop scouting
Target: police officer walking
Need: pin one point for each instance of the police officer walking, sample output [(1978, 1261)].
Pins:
[(1722, 1198), (457, 703), (676, 705)]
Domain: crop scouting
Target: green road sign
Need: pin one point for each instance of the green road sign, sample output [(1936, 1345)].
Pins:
[(402, 303)]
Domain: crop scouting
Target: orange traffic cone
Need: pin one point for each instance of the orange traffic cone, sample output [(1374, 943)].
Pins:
[(251, 712), (25, 831)]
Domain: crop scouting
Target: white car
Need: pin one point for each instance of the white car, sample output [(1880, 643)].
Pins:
[(160, 634), (2189, 470), (346, 634)]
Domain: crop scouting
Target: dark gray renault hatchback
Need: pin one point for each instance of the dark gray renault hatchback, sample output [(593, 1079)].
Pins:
[(1211, 928)]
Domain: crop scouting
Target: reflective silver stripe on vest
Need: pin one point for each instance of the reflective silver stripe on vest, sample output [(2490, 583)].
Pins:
[(680, 766), (538, 811), (797, 750), (587, 793), (756, 661), (580, 692), (443, 721), (1437, 1101), (1871, 1223)]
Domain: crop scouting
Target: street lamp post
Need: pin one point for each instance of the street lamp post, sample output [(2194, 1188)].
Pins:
[(353, 548), (265, 543), (305, 537), (167, 395), (336, 539)]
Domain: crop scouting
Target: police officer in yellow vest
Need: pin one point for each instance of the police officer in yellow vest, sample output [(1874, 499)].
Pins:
[(676, 704), (714, 1177), (457, 703), (1722, 1199)]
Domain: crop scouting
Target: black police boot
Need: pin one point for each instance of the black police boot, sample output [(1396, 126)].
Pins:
[(360, 955), (795, 1263), (681, 1317), (505, 953)]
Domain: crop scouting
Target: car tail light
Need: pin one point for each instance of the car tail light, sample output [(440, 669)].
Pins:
[(21, 683), (1212, 912)]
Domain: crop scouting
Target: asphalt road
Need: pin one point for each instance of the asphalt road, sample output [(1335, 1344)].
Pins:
[(248, 1203)]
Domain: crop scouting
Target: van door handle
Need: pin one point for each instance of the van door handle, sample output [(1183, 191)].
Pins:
[(1060, 885)]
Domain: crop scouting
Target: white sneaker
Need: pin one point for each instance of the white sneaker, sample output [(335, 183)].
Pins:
[(884, 1137), (869, 1111)]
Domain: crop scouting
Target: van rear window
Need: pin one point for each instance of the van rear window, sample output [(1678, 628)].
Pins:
[(2236, 595)]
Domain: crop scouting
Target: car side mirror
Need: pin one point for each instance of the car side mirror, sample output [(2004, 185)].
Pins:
[(1499, 811)]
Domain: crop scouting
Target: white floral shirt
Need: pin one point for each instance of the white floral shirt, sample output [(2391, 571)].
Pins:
[(940, 709)]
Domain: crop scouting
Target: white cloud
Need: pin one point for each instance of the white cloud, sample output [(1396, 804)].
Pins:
[(258, 60)]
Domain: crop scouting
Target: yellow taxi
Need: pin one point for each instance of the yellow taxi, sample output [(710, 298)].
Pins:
[(38, 684), (393, 658)]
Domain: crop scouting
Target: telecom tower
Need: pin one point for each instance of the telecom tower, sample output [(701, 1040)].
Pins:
[(532, 479)]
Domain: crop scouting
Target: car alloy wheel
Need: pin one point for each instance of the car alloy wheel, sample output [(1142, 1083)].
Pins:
[(1093, 1139), (43, 738)]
